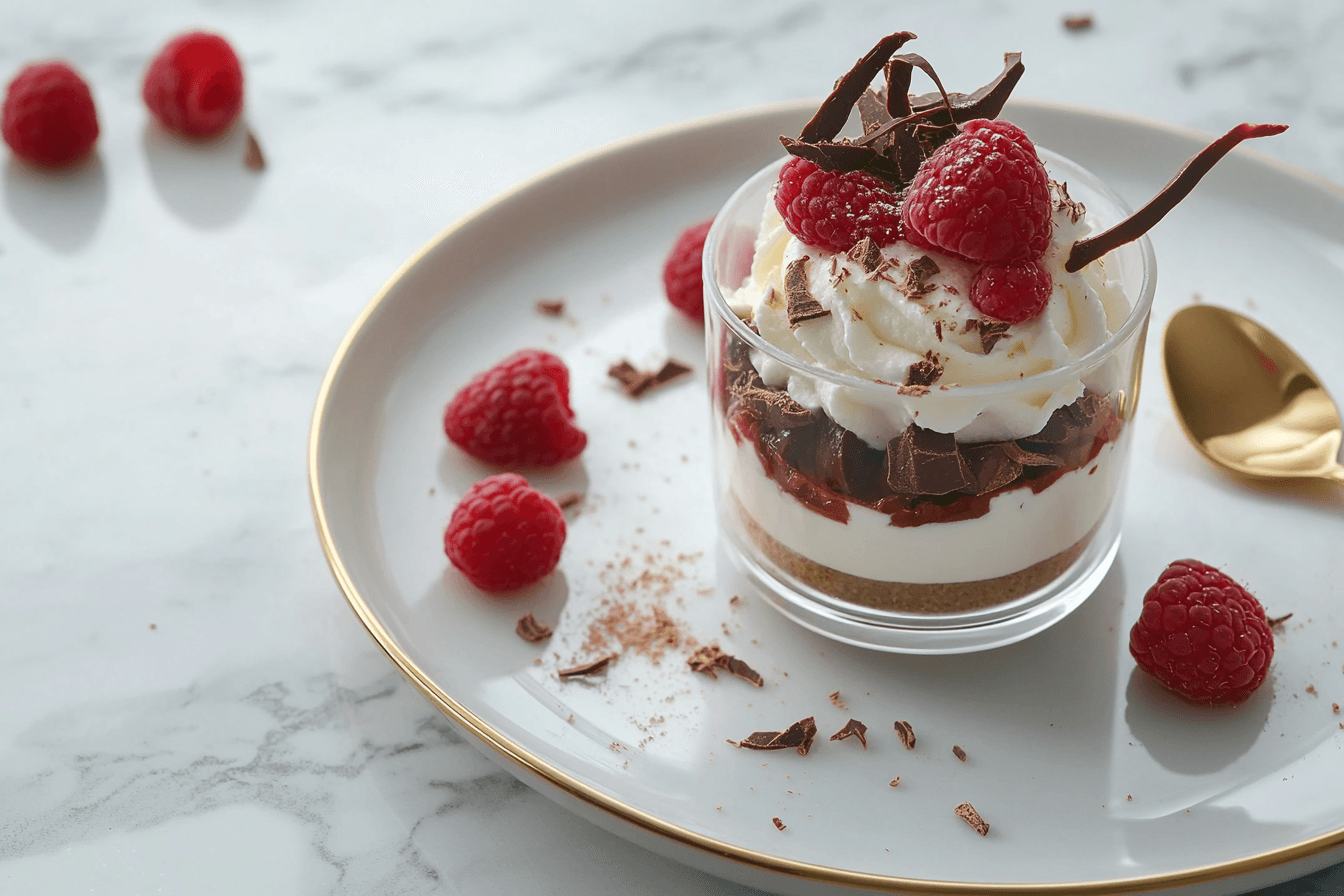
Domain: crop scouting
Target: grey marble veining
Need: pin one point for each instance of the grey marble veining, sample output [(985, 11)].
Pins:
[(189, 706)]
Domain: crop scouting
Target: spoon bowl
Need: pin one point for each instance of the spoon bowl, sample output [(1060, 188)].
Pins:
[(1247, 401)]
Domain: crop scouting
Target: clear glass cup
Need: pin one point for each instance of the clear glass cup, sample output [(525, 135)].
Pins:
[(833, 528)]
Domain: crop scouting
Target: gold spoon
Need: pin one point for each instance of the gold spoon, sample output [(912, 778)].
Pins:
[(1247, 401)]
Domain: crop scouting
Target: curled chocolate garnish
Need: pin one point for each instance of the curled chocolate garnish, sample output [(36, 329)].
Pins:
[(924, 372), (598, 665), (966, 812), (1084, 252), (853, 728), (798, 736), (802, 307), (866, 255), (707, 659), (529, 629), (834, 110), (906, 733)]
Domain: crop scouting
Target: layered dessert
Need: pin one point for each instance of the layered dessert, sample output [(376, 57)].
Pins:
[(927, 370)]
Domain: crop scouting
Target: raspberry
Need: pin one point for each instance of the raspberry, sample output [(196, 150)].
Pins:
[(504, 534), (49, 118), (1202, 635), (833, 210), (681, 272), (516, 413), (1011, 292), (983, 195), (194, 86)]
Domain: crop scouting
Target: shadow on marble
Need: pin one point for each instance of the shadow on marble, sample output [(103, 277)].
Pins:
[(204, 183), (60, 210)]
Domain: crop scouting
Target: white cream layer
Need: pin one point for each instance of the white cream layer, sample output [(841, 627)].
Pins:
[(1020, 529)]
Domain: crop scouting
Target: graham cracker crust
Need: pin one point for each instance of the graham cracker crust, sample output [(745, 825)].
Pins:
[(909, 597)]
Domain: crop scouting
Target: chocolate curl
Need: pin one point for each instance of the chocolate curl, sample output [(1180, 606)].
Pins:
[(923, 65), (1086, 251), (834, 111), (988, 101), (897, 74), (841, 156)]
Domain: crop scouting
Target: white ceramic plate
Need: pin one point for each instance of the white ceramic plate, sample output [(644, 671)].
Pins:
[(1092, 779)]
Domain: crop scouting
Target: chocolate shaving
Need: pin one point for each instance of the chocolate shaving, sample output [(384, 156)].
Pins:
[(636, 382), (853, 728), (835, 109), (991, 331), (966, 812), (593, 668), (670, 371), (895, 781), (837, 701), (866, 255), (779, 824), (529, 629), (569, 499), (1078, 23), (252, 157), (551, 307), (842, 157), (925, 462), (1273, 623), (907, 734), (801, 306), (1084, 252), (707, 659), (959, 753), (1066, 203), (798, 736), (925, 372), (917, 274)]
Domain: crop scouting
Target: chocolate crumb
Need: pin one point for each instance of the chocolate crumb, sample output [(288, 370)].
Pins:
[(853, 728), (593, 668), (1078, 23), (938, 329), (1311, 689), (551, 307), (1334, 707), (529, 629), (907, 734), (779, 824), (1129, 797), (895, 782), (707, 659), (1275, 623), (958, 752), (866, 254), (966, 812), (837, 702), (252, 157), (925, 372), (801, 307), (915, 391), (799, 736), (569, 499), (917, 274), (153, 626)]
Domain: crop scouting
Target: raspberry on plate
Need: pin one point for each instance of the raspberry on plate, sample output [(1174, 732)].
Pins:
[(983, 195), (1202, 635), (48, 118), (834, 210), (194, 86), (1011, 291), (504, 534), (681, 272), (517, 413)]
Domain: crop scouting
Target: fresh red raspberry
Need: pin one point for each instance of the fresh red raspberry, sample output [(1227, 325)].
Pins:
[(1011, 291), (516, 413), (1202, 635), (983, 195), (682, 280), (48, 117), (504, 534), (194, 86), (833, 210)]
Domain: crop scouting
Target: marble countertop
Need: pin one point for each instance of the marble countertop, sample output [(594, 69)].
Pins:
[(189, 704)]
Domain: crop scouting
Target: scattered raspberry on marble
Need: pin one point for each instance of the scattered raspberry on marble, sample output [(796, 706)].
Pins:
[(194, 86), (1011, 291), (1202, 635), (517, 413), (504, 534), (48, 118), (682, 279), (983, 195), (834, 210)]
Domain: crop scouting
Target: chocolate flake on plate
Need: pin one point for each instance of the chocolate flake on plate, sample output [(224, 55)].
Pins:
[(853, 728), (837, 702), (1274, 623), (906, 734), (569, 499), (958, 752), (966, 812), (925, 372), (672, 369), (779, 824), (802, 307), (709, 658), (252, 157), (1078, 23), (529, 629), (866, 254), (895, 782), (636, 382), (551, 307), (799, 736), (917, 274), (593, 668)]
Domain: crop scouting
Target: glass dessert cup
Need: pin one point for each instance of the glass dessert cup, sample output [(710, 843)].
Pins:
[(871, 544)]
